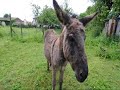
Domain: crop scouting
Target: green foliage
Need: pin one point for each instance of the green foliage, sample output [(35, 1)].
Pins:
[(116, 5), (109, 48), (66, 7), (98, 23), (1, 35), (107, 11), (36, 10), (108, 8), (106, 48), (82, 15), (116, 8), (48, 16), (90, 10)]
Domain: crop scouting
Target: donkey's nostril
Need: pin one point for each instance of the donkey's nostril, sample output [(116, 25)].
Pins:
[(81, 74), (81, 71)]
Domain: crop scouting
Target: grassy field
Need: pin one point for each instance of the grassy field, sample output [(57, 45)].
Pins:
[(23, 65)]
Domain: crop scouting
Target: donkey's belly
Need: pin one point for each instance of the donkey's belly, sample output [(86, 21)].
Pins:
[(57, 58), (47, 52)]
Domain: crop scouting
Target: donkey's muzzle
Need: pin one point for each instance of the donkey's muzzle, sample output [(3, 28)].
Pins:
[(81, 76)]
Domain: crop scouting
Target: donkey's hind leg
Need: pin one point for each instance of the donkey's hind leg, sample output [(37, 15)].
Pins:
[(54, 78), (48, 66)]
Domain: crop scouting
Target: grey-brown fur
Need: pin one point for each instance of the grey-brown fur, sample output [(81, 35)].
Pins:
[(68, 47), (49, 38), (54, 53)]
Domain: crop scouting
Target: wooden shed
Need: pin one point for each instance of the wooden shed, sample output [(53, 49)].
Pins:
[(112, 27)]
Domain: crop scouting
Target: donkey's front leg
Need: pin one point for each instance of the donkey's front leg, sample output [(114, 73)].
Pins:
[(53, 78), (61, 77)]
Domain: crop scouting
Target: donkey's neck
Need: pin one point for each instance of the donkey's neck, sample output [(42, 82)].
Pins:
[(61, 37)]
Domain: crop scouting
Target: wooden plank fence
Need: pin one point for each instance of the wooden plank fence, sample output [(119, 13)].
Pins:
[(112, 27)]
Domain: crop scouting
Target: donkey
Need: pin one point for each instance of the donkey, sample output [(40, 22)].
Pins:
[(68, 47)]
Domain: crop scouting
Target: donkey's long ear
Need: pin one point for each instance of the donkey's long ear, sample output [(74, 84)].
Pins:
[(62, 16), (87, 19)]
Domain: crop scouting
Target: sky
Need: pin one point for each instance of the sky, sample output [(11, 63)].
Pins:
[(23, 9)]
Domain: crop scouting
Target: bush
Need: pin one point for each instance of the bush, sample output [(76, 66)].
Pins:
[(109, 53), (109, 48), (104, 47)]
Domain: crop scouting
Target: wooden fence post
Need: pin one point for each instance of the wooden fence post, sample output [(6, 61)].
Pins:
[(11, 30), (21, 30)]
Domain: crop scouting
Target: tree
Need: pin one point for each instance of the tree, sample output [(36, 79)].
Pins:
[(107, 8), (66, 7), (108, 3), (112, 6), (6, 16), (48, 16), (98, 23), (90, 10), (36, 10)]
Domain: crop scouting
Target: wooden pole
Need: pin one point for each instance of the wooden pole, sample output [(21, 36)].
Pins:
[(11, 26), (21, 30)]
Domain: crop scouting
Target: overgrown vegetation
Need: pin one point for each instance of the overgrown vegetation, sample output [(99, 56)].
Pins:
[(107, 9), (106, 47), (23, 65)]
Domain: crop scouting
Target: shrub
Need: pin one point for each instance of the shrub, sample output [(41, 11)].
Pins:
[(109, 48)]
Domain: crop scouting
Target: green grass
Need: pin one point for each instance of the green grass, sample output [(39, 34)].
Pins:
[(23, 65)]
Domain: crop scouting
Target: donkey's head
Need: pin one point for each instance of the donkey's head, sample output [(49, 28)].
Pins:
[(73, 42)]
